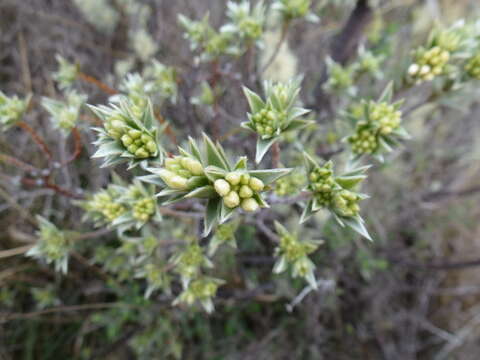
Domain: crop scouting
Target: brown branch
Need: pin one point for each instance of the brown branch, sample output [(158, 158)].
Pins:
[(7, 159), (275, 52), (37, 138), (344, 45), (99, 84), (78, 147), (15, 251), (276, 154)]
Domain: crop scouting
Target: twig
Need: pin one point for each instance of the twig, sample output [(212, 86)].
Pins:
[(168, 128), (7, 159), (37, 138), (78, 147), (101, 85), (323, 285), (272, 58), (276, 154), (27, 78), (15, 251)]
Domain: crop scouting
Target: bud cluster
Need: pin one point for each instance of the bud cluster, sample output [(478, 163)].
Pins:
[(203, 290), (290, 184), (189, 262), (139, 143), (429, 63), (292, 251), (294, 9), (266, 122), (64, 115), (364, 140), (276, 115), (473, 67), (246, 22), (66, 74), (239, 189), (53, 245), (340, 78), (11, 110), (322, 184), (385, 116), (346, 203), (129, 133), (105, 203), (143, 209), (181, 172)]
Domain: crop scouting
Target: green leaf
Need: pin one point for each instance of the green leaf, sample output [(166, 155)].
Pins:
[(214, 173), (297, 124), (108, 149), (213, 156), (241, 163), (254, 101), (211, 215), (202, 192), (356, 224), (310, 162), (262, 148), (349, 182), (194, 149), (307, 212), (270, 175), (387, 93)]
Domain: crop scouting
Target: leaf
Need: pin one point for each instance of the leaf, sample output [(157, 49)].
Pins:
[(349, 182), (297, 124), (194, 149), (202, 192), (297, 112), (241, 163), (280, 229), (152, 179), (112, 148), (270, 175), (214, 173), (307, 212), (213, 156), (262, 148), (387, 93), (254, 101), (211, 215), (280, 265), (225, 213), (310, 162), (356, 224)]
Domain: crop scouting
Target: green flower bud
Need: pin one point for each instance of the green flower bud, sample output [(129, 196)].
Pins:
[(256, 184), (126, 140), (245, 179), (142, 153), (195, 167), (245, 192), (135, 134), (233, 178), (178, 182), (249, 205), (232, 199), (222, 188)]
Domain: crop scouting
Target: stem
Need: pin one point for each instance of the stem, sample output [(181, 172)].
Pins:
[(272, 58), (276, 154), (15, 251), (7, 159), (37, 138), (101, 85), (78, 147)]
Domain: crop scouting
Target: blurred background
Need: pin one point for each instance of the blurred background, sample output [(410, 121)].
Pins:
[(412, 294)]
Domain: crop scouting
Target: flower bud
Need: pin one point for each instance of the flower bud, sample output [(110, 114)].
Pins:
[(141, 153), (178, 182), (233, 178), (195, 167), (256, 184), (222, 187), (231, 200), (135, 134), (126, 140), (151, 146), (245, 179), (245, 192), (249, 205)]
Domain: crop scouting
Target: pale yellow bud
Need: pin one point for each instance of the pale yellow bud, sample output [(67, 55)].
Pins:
[(250, 205), (232, 199), (413, 69), (245, 192), (195, 167), (222, 187), (256, 184), (178, 182), (233, 178)]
